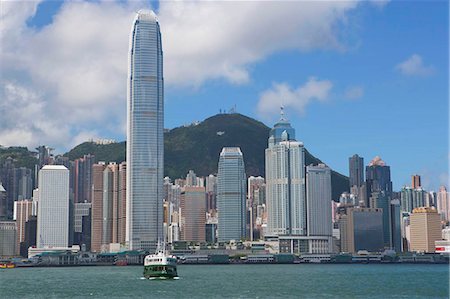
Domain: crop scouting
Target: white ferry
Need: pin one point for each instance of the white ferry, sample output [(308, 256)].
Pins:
[(160, 265)]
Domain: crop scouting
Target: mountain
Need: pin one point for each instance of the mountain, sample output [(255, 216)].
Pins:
[(21, 155), (198, 147)]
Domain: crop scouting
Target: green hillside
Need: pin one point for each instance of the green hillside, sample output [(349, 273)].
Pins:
[(198, 147)]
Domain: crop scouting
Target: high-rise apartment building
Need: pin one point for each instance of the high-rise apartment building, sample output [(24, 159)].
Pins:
[(443, 203), (255, 195), (318, 195), (3, 203), (285, 182), (415, 181), (145, 146), (23, 210), (108, 204), (193, 214), (53, 211), (82, 178), (231, 195), (356, 167), (425, 228), (211, 193)]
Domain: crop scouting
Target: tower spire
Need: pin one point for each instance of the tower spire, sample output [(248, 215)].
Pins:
[(282, 112)]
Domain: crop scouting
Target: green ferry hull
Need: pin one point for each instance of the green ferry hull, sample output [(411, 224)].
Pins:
[(160, 271)]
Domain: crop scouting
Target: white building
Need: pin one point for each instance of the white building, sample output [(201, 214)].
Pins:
[(53, 212), (285, 182)]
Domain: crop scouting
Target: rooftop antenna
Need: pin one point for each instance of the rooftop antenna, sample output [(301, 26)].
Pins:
[(282, 112)]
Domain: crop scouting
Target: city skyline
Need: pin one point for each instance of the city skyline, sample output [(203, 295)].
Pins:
[(371, 90)]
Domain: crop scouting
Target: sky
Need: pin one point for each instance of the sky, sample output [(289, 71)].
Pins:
[(365, 77)]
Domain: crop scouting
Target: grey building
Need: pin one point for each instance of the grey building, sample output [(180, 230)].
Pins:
[(362, 229), (231, 195), (145, 146), (356, 167), (8, 237)]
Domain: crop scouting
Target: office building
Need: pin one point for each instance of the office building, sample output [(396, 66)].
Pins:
[(285, 182), (356, 167), (8, 238), (30, 236), (318, 197), (53, 212), (426, 229), (145, 146), (378, 177), (231, 195), (193, 214), (362, 229), (82, 224)]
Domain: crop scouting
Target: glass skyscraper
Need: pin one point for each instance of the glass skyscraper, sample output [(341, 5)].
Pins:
[(231, 195), (145, 147)]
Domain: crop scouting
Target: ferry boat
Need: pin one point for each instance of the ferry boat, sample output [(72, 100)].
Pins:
[(7, 265), (160, 265)]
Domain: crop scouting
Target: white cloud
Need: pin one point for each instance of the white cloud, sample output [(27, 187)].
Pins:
[(70, 75), (298, 99), (414, 66), (354, 92)]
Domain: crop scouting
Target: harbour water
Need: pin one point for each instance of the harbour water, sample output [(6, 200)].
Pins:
[(231, 281)]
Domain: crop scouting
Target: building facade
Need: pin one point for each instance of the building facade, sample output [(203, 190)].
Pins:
[(231, 195), (23, 210), (8, 238), (318, 197), (425, 229), (356, 167), (145, 146), (193, 214), (53, 212), (362, 229)]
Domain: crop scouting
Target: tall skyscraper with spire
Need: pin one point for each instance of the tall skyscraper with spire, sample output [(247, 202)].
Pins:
[(145, 121), (285, 181)]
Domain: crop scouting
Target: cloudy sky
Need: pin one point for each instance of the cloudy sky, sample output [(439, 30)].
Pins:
[(368, 77)]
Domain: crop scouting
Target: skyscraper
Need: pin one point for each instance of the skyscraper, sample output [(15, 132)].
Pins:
[(23, 210), (425, 229), (145, 146), (318, 194), (415, 181), (231, 194), (193, 213), (443, 204), (285, 182), (53, 211), (356, 166), (378, 177)]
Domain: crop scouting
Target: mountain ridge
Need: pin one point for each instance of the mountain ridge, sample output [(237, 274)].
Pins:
[(198, 146)]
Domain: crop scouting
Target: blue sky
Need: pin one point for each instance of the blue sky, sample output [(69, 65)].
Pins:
[(384, 82)]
